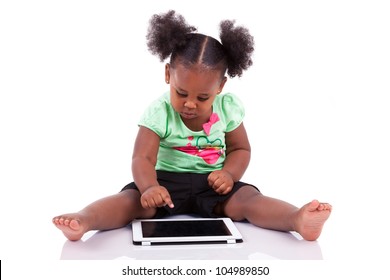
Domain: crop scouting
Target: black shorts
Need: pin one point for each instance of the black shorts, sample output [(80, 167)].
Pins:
[(190, 193)]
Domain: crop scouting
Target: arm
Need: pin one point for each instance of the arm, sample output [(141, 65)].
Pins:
[(238, 152), (143, 166)]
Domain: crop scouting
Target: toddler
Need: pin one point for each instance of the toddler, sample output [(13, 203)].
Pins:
[(192, 149)]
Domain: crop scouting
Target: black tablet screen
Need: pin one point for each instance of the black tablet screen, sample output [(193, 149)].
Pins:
[(184, 228)]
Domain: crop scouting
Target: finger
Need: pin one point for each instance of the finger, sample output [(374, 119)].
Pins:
[(167, 200), (145, 203), (218, 183), (212, 178), (220, 189), (227, 190), (159, 201), (211, 181), (155, 202)]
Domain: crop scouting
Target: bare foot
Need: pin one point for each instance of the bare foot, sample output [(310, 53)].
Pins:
[(71, 225), (311, 218)]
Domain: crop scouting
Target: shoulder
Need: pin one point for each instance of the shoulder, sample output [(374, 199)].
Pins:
[(231, 110), (230, 100), (156, 114), (159, 107), (230, 105)]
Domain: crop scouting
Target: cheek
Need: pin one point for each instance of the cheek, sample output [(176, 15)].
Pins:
[(175, 103), (208, 104), (204, 107)]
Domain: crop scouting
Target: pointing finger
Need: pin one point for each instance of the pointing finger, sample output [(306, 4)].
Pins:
[(167, 199)]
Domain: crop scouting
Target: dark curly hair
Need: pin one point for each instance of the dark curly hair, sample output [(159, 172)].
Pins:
[(170, 35)]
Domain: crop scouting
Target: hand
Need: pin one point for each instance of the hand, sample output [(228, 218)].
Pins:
[(156, 196), (221, 181)]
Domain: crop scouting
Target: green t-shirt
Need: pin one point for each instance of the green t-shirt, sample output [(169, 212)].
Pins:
[(184, 150)]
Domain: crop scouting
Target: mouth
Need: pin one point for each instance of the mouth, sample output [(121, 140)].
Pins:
[(187, 115)]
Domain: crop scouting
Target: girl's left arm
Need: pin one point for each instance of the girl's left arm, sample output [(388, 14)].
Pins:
[(238, 153)]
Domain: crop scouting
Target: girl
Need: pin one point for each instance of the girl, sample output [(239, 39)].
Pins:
[(192, 148)]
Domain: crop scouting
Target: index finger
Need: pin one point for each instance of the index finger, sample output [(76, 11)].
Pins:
[(167, 199)]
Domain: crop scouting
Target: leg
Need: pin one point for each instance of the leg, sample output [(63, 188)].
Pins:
[(266, 212), (107, 213)]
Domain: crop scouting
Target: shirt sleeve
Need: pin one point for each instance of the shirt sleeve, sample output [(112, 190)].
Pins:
[(233, 111), (155, 117)]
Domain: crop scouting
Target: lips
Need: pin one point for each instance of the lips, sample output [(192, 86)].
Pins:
[(188, 115)]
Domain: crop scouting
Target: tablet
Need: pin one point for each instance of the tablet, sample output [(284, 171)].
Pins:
[(184, 231)]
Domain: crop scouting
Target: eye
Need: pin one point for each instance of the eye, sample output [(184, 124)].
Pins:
[(180, 94), (203, 99)]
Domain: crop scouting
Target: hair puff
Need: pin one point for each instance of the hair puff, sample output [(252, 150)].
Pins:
[(166, 32), (239, 46)]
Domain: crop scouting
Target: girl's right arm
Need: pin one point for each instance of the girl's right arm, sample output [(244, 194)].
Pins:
[(144, 174)]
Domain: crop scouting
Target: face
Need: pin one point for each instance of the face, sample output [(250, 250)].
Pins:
[(193, 90)]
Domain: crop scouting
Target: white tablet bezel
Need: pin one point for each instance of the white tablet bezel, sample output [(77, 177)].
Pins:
[(138, 239)]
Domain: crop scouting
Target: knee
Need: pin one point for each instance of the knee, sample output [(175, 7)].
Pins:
[(241, 202), (236, 216), (246, 194), (131, 198)]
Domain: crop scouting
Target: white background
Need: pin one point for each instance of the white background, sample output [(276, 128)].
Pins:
[(76, 75)]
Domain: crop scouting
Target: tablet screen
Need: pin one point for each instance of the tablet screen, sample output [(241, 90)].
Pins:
[(184, 228)]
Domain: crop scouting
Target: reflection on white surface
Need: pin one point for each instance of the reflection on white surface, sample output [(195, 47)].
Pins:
[(258, 244)]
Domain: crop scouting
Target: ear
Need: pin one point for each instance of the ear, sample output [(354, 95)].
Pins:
[(167, 73), (222, 84)]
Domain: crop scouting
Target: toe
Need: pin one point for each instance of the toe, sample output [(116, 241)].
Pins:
[(313, 206), (74, 224)]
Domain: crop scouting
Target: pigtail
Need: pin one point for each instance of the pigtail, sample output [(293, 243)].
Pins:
[(238, 45), (166, 32)]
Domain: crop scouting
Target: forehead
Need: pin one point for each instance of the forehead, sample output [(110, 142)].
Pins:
[(196, 78)]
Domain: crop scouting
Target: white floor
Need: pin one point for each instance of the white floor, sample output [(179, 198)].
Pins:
[(258, 244)]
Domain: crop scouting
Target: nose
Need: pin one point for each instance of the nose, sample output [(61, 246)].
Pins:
[(190, 105)]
